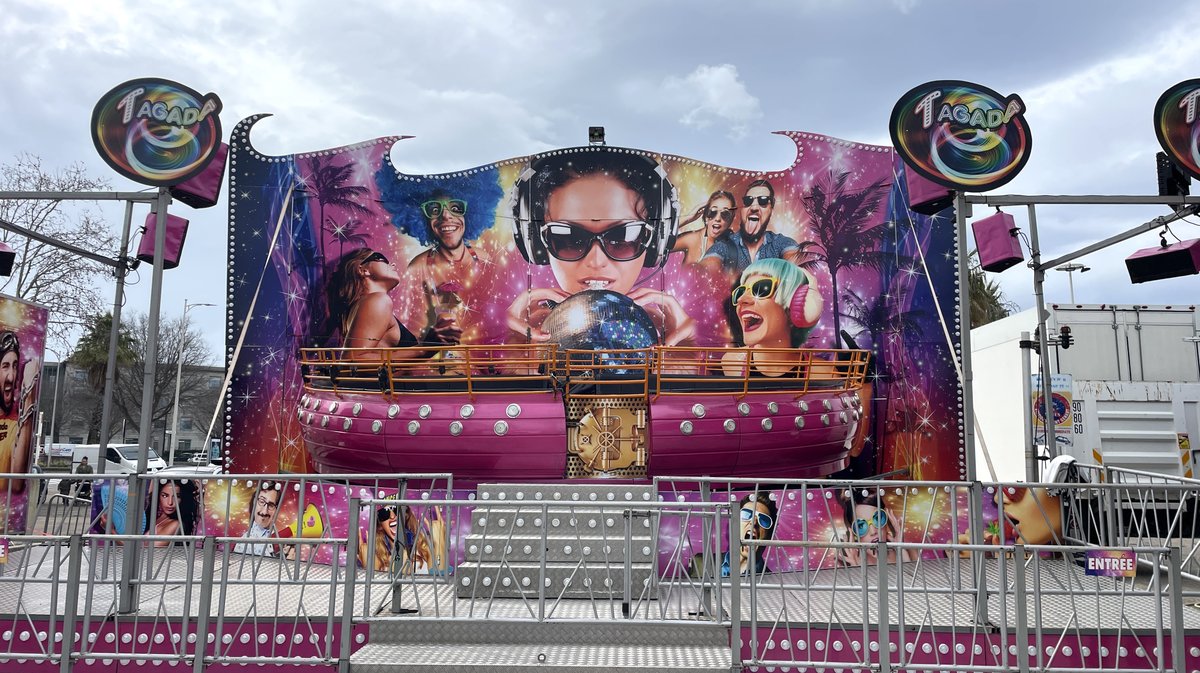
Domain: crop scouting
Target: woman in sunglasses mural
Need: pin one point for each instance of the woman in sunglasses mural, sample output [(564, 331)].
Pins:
[(361, 307), (600, 219), (716, 216), (868, 521), (777, 304)]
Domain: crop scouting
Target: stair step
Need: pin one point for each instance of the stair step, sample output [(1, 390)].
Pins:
[(570, 493), (561, 548), (547, 658), (501, 521), (492, 580), (529, 632)]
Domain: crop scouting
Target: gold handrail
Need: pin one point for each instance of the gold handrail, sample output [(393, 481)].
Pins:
[(538, 368)]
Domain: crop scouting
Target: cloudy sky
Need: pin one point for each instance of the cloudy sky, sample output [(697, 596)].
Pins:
[(479, 81)]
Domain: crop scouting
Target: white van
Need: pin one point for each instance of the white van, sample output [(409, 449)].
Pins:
[(119, 458)]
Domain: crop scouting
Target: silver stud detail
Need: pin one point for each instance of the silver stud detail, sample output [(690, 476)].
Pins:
[(799, 422), (393, 410), (376, 426), (346, 423), (356, 409), (424, 410), (456, 428), (744, 408), (827, 403), (842, 416), (414, 427), (512, 410), (698, 410), (825, 419), (772, 407), (803, 404), (686, 427), (730, 425), (501, 428), (324, 421), (310, 415), (333, 407), (467, 411), (767, 424)]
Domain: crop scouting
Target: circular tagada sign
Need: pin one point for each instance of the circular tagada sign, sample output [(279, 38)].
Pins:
[(1175, 123), (155, 131), (961, 135)]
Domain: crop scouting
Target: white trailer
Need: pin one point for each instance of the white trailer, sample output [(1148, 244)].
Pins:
[(1135, 392)]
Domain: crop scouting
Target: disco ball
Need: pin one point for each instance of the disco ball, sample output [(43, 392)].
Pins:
[(602, 320)]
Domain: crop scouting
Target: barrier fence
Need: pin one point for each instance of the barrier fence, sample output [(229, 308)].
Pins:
[(868, 574)]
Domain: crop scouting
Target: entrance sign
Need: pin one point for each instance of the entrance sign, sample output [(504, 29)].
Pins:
[(1177, 125), (155, 131), (961, 135)]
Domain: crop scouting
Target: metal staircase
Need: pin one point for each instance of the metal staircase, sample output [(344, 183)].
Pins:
[(577, 563), (585, 531)]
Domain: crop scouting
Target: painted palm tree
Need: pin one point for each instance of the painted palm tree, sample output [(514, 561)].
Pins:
[(327, 185), (878, 316), (840, 238), (347, 232)]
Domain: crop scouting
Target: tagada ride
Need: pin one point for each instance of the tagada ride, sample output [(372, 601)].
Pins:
[(538, 412)]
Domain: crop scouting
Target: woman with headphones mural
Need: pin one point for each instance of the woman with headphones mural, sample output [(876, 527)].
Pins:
[(600, 219)]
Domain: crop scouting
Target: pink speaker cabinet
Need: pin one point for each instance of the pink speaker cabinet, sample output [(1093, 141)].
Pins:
[(997, 243), (203, 189), (1157, 263), (176, 232), (925, 196)]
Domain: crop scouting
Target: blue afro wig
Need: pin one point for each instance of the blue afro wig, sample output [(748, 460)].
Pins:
[(402, 197)]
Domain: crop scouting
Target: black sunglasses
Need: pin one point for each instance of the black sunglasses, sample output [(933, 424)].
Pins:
[(570, 243), (763, 201), (726, 215), (376, 257)]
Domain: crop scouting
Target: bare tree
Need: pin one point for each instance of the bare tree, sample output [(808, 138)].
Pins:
[(175, 337), (60, 280)]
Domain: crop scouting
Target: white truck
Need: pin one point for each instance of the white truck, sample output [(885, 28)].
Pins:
[(119, 458), (1135, 393)]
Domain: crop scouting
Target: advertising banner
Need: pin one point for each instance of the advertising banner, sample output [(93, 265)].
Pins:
[(22, 347), (1061, 400)]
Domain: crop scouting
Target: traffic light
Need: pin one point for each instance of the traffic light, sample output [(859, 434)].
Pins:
[(1064, 336)]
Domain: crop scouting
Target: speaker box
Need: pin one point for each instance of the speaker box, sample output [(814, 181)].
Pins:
[(176, 233), (997, 243), (203, 189), (8, 257), (1179, 259), (925, 196)]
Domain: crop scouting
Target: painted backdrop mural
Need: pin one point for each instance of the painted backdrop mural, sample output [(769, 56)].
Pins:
[(22, 347), (339, 248)]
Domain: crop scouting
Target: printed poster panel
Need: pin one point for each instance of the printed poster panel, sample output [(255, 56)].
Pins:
[(1064, 414), (22, 347)]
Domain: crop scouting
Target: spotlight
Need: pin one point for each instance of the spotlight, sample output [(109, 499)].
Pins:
[(8, 257), (595, 135)]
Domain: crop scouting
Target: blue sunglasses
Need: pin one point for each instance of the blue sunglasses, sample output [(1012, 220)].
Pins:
[(863, 526), (764, 519)]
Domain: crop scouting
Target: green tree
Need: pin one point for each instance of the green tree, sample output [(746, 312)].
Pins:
[(988, 303), (91, 355)]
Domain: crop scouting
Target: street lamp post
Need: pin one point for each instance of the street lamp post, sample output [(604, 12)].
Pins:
[(1071, 269), (179, 377)]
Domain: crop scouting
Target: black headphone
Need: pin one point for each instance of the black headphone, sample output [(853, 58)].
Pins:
[(527, 230)]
